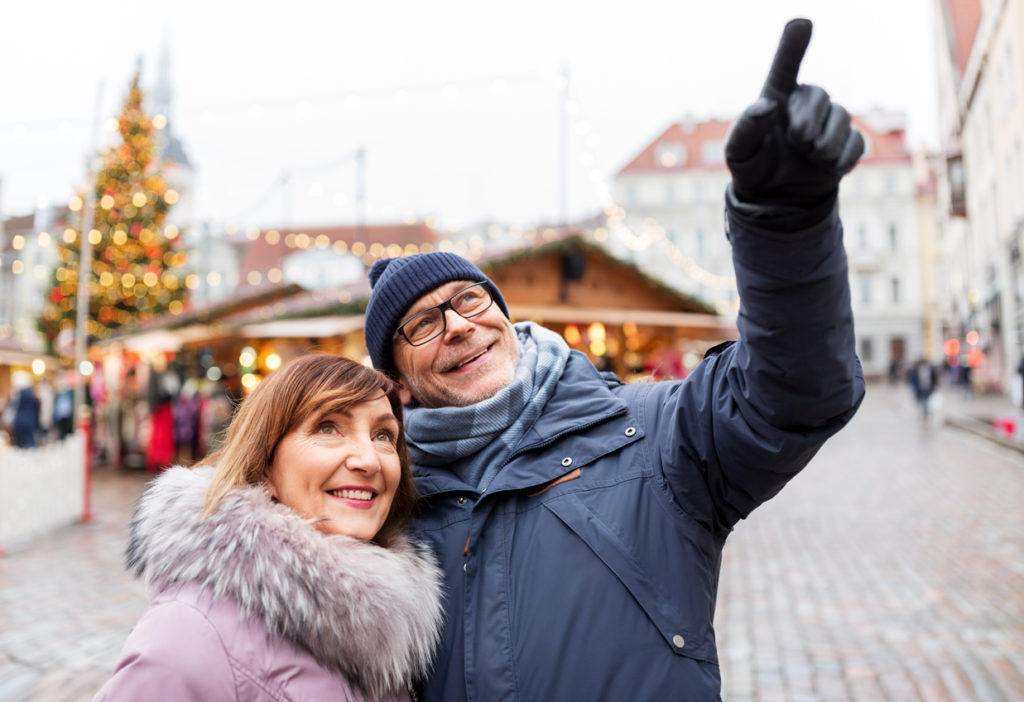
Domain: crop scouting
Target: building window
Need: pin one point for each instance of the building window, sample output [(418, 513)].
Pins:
[(670, 193), (867, 350), (894, 238), (957, 190), (895, 290), (864, 283), (699, 239), (669, 154), (862, 236), (712, 152)]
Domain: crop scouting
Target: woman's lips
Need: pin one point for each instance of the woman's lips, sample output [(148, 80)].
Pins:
[(360, 498)]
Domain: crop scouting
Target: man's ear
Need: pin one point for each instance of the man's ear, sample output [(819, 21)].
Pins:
[(404, 395)]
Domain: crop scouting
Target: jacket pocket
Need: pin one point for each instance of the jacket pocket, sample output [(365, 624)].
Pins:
[(682, 617), (541, 489)]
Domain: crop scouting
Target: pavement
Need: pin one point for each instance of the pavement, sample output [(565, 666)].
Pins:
[(890, 570), (990, 416), (66, 602)]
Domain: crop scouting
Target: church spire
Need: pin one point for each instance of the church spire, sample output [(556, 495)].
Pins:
[(162, 90), (171, 147)]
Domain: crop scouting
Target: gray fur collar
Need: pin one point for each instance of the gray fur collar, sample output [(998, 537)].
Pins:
[(370, 613)]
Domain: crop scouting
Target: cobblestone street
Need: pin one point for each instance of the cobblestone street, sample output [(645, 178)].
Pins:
[(67, 604), (892, 569)]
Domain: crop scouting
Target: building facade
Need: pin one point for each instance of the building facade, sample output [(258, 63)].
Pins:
[(669, 215), (669, 222), (980, 193), (28, 255)]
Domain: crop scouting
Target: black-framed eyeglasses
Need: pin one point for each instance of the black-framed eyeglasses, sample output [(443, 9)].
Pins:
[(430, 323)]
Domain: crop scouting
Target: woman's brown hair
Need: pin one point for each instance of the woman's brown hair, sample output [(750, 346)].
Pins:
[(314, 384)]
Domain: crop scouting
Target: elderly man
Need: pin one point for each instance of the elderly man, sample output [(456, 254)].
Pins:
[(579, 520)]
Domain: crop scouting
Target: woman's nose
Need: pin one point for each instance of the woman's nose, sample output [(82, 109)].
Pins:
[(362, 458)]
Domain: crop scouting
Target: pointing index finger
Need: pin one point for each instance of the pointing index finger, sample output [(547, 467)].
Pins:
[(786, 64)]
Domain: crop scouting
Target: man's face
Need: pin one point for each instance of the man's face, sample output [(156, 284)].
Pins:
[(469, 362)]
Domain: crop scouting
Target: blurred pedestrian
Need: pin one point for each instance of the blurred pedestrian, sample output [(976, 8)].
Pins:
[(26, 424), (44, 391), (164, 385), (63, 409), (216, 407), (279, 568), (965, 377), (1018, 384), (186, 408), (923, 380), (895, 368)]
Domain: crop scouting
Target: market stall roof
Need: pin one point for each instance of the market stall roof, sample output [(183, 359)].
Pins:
[(171, 332), (13, 353), (351, 299), (306, 328), (654, 318), (496, 261), (289, 311), (166, 339), (343, 300)]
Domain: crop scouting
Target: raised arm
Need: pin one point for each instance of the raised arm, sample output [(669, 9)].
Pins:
[(787, 153), (755, 413)]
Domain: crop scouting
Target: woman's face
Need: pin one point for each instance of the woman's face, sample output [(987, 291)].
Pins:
[(342, 467)]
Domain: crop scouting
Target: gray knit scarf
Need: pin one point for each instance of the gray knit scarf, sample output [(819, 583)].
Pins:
[(475, 441)]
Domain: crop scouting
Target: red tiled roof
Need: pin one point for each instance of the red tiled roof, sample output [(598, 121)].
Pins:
[(21, 224), (261, 256), (26, 224), (691, 137), (963, 18), (884, 144)]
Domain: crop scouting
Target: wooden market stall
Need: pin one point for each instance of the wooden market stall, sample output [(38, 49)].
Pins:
[(623, 319)]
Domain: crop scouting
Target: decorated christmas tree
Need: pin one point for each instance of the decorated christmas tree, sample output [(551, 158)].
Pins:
[(136, 261)]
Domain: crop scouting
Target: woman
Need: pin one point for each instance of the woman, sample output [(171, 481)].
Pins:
[(279, 568)]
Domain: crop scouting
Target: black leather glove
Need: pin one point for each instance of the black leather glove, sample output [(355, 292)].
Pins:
[(788, 150)]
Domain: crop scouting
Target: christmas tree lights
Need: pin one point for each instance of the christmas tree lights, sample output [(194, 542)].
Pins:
[(135, 271)]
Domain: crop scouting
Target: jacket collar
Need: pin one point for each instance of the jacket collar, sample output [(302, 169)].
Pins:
[(582, 398), (369, 613)]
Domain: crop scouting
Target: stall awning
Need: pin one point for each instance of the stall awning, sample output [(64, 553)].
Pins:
[(13, 357), (307, 328), (159, 340), (576, 315)]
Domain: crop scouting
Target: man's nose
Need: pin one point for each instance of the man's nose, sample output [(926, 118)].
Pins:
[(455, 324)]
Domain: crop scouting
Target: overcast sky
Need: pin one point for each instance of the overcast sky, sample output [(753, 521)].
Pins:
[(458, 105)]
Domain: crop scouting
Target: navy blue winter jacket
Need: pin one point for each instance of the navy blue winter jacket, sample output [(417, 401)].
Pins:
[(588, 569)]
